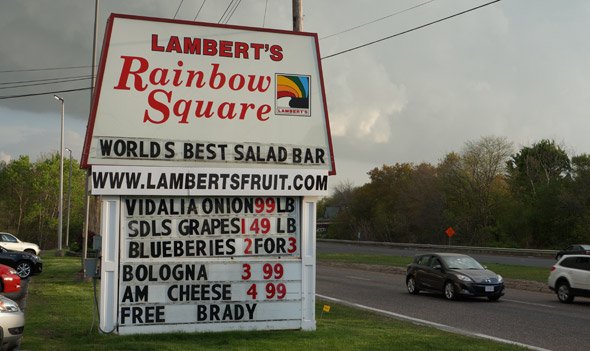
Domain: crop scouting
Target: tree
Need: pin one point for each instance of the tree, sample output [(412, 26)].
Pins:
[(540, 176), (29, 198), (474, 186), (538, 165), (15, 180)]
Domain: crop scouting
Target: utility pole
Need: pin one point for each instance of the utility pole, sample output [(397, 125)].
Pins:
[(87, 185), (297, 16), (61, 178), (69, 200)]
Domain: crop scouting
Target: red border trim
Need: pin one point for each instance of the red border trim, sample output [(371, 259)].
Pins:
[(96, 93), (105, 49), (319, 59)]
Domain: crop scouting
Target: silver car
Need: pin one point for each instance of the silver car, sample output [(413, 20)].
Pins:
[(12, 324)]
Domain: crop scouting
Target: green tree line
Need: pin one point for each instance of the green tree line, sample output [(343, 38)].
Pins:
[(29, 200), (538, 197)]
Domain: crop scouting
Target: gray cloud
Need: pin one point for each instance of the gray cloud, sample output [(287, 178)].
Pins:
[(517, 69)]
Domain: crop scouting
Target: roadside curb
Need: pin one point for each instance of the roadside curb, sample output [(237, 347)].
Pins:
[(519, 284)]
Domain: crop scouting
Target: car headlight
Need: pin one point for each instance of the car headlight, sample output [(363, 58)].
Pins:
[(500, 279), (464, 278), (8, 306)]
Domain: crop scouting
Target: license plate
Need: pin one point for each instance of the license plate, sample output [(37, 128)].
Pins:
[(489, 289)]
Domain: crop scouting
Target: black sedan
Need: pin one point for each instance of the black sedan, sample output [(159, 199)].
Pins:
[(453, 275), (24, 263), (576, 249)]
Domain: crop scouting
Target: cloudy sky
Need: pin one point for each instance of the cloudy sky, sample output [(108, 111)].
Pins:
[(518, 69)]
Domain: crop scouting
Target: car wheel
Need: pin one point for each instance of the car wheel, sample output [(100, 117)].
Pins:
[(564, 293), (411, 285), (31, 251), (23, 269), (450, 293)]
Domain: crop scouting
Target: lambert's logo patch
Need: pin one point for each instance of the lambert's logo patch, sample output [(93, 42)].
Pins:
[(292, 95)]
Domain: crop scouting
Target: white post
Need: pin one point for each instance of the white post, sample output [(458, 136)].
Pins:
[(308, 262), (69, 200), (61, 177), (109, 261)]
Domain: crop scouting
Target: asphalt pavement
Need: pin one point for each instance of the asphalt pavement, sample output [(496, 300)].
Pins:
[(530, 318)]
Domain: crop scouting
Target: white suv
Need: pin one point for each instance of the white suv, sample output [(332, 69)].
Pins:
[(570, 277), (11, 242)]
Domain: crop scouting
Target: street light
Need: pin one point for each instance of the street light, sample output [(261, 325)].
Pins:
[(69, 200), (61, 176)]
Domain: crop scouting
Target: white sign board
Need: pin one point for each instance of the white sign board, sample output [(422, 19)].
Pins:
[(209, 145), (209, 262), (178, 93), (122, 180)]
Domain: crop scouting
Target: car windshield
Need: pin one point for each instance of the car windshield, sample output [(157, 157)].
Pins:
[(462, 262), (585, 247)]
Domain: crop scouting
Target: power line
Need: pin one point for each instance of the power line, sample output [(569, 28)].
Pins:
[(200, 8), (44, 93), (232, 11), (178, 9), (378, 19), (43, 69), (46, 83), (44, 80), (409, 30), (231, 2), (325, 57)]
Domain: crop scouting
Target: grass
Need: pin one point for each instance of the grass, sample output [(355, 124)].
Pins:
[(538, 274), (59, 316)]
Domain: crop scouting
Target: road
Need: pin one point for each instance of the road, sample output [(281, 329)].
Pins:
[(531, 318), (327, 247)]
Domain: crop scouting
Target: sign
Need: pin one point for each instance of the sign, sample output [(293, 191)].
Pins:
[(121, 180), (186, 94), (209, 262), (450, 232), (209, 146)]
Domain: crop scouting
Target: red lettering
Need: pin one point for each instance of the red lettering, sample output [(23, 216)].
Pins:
[(199, 109), (241, 50), (276, 53), (236, 82), (209, 47), (245, 108), (225, 47), (158, 106), (182, 109), (174, 45), (192, 46), (200, 79), (159, 76), (257, 47), (155, 46), (177, 73), (252, 86), (126, 72), (262, 112), (230, 114), (214, 75), (222, 48)]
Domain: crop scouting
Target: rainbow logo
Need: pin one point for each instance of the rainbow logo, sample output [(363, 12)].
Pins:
[(292, 95)]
